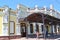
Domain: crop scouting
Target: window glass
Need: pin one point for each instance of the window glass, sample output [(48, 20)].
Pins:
[(31, 28), (59, 29), (5, 29), (11, 27), (55, 29), (37, 28), (42, 27), (5, 19)]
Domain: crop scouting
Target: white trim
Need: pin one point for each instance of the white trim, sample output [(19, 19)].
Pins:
[(53, 29), (18, 29), (29, 29), (34, 28), (3, 31), (40, 28), (57, 28)]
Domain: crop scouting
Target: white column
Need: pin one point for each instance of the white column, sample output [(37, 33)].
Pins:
[(39, 27), (5, 30), (50, 28), (34, 28), (57, 27), (28, 28), (18, 29), (53, 28)]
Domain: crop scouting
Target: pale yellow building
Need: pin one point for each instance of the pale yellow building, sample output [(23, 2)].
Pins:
[(8, 21), (25, 22)]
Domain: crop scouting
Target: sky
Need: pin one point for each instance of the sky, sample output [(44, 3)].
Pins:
[(31, 3)]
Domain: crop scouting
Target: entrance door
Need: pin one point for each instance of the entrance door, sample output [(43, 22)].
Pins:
[(23, 29)]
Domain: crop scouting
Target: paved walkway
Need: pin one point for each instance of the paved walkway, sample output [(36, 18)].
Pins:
[(29, 39), (32, 39)]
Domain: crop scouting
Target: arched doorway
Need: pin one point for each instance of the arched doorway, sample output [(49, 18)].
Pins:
[(23, 29)]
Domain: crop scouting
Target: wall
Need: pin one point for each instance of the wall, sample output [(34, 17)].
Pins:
[(1, 18), (13, 18)]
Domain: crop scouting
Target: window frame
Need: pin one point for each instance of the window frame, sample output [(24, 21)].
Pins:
[(13, 27)]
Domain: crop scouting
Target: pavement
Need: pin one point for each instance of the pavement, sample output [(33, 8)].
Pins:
[(24, 38), (29, 39), (34, 39)]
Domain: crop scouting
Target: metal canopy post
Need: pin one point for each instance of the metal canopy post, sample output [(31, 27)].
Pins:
[(44, 25), (26, 30)]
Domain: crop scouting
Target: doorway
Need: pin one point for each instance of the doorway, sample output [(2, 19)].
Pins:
[(23, 29)]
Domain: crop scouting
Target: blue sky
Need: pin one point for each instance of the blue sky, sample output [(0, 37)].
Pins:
[(31, 3)]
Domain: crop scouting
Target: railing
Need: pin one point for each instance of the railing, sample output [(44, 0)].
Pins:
[(54, 14)]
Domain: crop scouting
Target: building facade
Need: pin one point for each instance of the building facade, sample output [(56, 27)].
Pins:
[(7, 21), (41, 20), (27, 22)]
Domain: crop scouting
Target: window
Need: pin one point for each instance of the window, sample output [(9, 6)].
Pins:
[(5, 19), (31, 28), (12, 28), (59, 29), (55, 29), (37, 28), (42, 27), (23, 27), (5, 29)]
